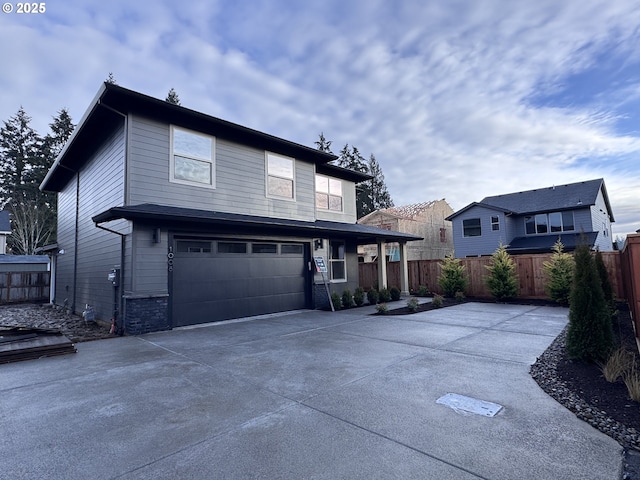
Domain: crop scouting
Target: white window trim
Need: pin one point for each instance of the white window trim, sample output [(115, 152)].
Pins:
[(548, 232), (212, 160), (471, 236), (328, 194), (344, 260), (266, 177)]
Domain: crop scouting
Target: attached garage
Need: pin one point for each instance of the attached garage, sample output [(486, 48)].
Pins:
[(217, 279)]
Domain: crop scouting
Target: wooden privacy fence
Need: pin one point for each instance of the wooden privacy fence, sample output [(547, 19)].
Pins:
[(18, 287), (531, 275), (630, 263)]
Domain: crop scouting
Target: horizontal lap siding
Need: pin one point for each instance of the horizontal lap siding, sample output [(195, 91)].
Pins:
[(101, 187), (240, 178), (65, 239)]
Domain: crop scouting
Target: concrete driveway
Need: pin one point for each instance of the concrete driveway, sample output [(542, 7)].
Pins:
[(303, 395)]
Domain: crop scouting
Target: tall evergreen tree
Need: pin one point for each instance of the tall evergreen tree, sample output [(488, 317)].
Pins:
[(26, 158), (380, 197), (172, 97), (323, 144), (607, 288), (590, 335), (370, 194), (20, 149)]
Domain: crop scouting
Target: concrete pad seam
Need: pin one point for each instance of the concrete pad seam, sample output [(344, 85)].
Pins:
[(397, 442)]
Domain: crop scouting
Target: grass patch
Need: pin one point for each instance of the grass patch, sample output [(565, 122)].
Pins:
[(617, 365)]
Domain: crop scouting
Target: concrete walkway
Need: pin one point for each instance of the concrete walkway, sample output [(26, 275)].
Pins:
[(305, 395)]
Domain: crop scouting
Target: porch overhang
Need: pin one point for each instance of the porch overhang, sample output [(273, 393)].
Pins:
[(189, 218)]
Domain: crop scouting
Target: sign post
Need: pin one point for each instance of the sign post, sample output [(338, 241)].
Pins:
[(321, 268)]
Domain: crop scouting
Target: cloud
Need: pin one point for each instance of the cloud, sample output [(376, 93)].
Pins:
[(461, 99)]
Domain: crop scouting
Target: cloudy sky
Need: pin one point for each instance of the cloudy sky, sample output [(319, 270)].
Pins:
[(457, 99)]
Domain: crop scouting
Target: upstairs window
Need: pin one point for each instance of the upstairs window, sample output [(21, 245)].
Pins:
[(280, 176), (495, 223), (192, 158), (554, 222), (328, 193), (471, 227)]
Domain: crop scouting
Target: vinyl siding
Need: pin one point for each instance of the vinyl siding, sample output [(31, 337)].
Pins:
[(600, 217), (487, 242), (101, 186), (240, 185), (66, 242)]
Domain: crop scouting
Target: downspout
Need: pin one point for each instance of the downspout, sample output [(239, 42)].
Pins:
[(75, 243), (119, 327)]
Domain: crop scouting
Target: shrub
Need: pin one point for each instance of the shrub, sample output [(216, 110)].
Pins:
[(382, 308), (590, 333), (616, 365), (502, 279), (559, 271), (423, 291), (607, 289), (437, 301), (336, 300), (395, 293), (347, 299), (372, 296), (452, 277), (459, 297), (413, 304), (632, 382), (358, 296), (384, 295)]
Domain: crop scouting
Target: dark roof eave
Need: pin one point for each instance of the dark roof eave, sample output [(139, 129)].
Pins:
[(179, 215)]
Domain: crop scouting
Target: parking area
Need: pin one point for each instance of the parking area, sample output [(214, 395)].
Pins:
[(307, 394)]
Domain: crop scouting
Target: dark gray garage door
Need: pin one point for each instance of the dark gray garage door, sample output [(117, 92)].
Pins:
[(221, 279)]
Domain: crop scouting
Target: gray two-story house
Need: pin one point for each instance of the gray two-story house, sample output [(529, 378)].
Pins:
[(170, 217), (532, 221)]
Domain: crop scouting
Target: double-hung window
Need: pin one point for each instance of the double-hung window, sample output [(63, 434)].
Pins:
[(280, 176), (192, 158), (328, 193)]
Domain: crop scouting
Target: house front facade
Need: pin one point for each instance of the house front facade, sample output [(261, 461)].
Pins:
[(425, 219), (169, 217), (532, 221)]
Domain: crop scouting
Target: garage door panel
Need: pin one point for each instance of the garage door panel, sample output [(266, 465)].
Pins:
[(209, 287)]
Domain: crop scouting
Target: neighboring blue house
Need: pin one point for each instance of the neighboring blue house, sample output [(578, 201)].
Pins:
[(532, 221)]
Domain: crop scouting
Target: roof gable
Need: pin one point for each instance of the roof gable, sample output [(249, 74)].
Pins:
[(558, 197)]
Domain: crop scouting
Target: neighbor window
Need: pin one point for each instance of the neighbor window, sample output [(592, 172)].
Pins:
[(280, 176), (554, 222), (192, 158), (328, 193), (471, 227), (338, 260), (495, 223)]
